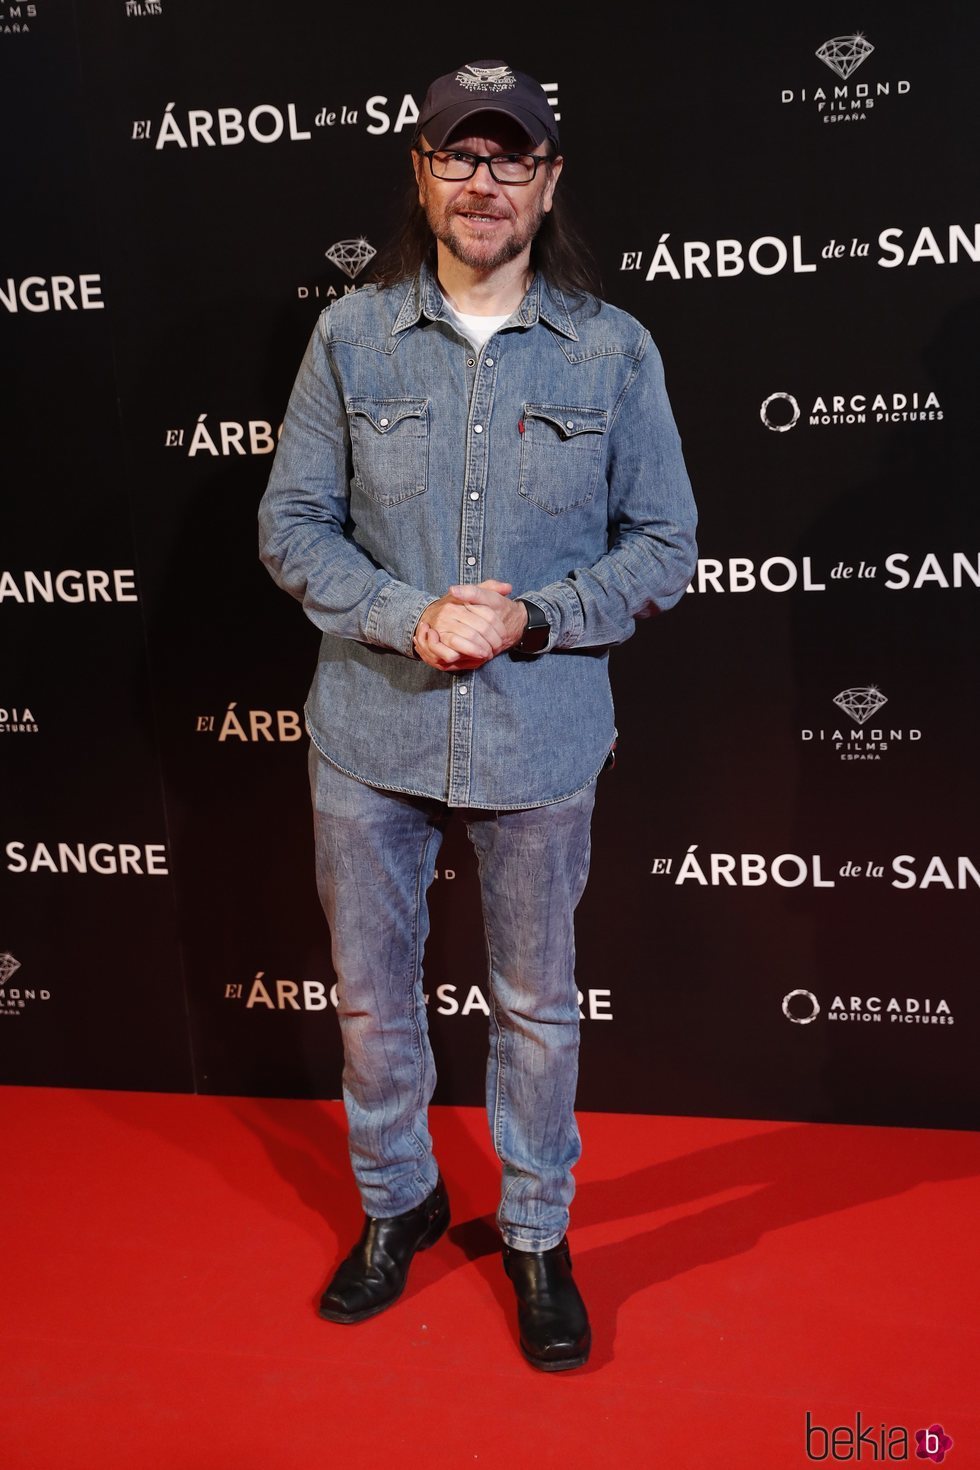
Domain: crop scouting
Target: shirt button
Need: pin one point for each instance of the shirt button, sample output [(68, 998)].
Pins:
[(463, 689), (569, 424), (384, 423), (478, 428), (471, 362), (474, 494), (471, 561), (489, 362)]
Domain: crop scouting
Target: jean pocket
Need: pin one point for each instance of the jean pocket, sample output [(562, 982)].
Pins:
[(561, 452), (389, 447)]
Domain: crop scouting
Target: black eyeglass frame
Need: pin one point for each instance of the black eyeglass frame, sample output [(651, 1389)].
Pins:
[(488, 159)]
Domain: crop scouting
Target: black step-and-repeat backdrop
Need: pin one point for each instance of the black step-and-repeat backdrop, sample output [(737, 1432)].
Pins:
[(782, 915)]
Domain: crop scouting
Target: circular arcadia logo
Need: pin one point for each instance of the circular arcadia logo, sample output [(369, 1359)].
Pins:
[(800, 1000), (783, 415)]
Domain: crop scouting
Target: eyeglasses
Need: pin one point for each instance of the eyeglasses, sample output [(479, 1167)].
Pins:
[(505, 168)]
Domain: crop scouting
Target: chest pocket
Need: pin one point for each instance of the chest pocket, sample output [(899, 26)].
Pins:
[(390, 446), (561, 452)]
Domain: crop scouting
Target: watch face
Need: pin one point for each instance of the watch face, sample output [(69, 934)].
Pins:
[(537, 632), (535, 639)]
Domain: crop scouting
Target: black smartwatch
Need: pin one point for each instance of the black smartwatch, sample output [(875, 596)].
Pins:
[(537, 632)]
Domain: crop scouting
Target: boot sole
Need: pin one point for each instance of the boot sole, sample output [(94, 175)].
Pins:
[(434, 1233)]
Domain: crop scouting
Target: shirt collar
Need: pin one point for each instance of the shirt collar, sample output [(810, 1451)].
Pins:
[(542, 302)]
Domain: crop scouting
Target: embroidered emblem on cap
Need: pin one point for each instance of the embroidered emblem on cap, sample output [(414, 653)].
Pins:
[(486, 78)]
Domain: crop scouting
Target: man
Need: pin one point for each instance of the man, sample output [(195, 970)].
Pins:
[(478, 489)]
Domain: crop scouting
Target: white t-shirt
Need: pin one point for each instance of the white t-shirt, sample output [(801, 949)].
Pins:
[(476, 329)]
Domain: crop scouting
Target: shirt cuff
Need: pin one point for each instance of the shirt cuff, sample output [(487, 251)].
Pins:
[(394, 616), (565, 614)]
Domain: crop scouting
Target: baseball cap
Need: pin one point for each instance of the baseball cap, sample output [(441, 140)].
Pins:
[(486, 86)]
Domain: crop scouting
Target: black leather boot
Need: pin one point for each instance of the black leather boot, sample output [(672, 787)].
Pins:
[(554, 1325), (373, 1275)]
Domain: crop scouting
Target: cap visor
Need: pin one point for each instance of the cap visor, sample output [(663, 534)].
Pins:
[(443, 124)]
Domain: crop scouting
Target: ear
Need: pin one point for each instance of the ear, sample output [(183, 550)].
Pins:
[(419, 165), (549, 188)]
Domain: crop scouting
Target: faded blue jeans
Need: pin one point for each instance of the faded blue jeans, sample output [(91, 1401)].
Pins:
[(375, 859)]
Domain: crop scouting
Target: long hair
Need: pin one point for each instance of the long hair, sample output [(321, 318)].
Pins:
[(559, 252)]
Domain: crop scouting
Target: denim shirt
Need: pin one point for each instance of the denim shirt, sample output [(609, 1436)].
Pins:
[(407, 462)]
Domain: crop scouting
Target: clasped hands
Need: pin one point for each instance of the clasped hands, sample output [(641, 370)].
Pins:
[(469, 626)]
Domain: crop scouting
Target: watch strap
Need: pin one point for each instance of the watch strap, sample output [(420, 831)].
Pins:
[(537, 631)]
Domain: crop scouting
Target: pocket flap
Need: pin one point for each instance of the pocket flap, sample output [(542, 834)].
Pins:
[(569, 421), (385, 413)]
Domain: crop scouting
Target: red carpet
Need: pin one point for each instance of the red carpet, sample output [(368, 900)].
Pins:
[(162, 1255)]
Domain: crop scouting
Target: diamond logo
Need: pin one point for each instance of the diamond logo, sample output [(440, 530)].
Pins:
[(7, 966), (860, 704), (844, 54), (351, 256)]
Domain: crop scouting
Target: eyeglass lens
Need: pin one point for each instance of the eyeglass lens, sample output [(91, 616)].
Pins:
[(506, 168)]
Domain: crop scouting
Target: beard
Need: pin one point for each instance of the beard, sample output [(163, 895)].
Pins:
[(477, 254)]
